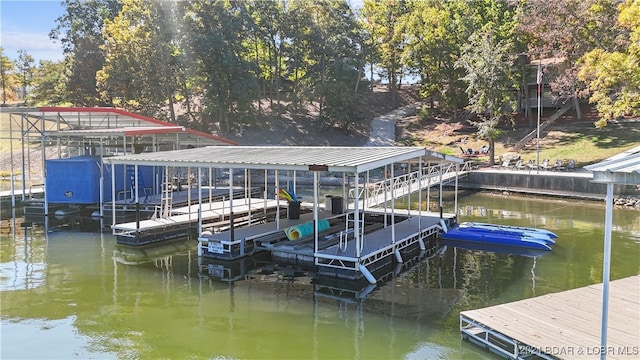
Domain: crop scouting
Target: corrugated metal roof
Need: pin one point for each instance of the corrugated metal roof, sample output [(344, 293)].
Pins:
[(623, 168), (339, 159)]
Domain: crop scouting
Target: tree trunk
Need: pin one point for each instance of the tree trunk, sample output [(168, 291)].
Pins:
[(576, 104), (492, 152), (172, 109), (258, 66), (525, 87)]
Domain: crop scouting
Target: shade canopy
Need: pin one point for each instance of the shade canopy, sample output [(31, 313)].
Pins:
[(301, 158), (623, 168)]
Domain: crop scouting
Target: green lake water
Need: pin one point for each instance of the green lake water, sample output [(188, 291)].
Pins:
[(74, 295)]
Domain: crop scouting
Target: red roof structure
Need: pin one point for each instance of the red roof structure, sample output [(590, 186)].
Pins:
[(87, 123)]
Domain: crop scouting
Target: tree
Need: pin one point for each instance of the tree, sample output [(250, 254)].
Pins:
[(382, 21), (268, 32), (49, 83), (216, 32), (80, 32), (568, 29), (334, 63), (26, 69), (140, 49), (613, 77), (491, 83), (7, 77), (434, 41)]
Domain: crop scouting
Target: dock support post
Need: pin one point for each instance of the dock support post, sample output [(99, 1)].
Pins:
[(443, 225), (231, 220), (46, 197), (608, 220), (363, 269), (398, 256), (113, 197)]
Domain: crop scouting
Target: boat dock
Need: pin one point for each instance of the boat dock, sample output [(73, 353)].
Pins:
[(350, 242), (564, 325)]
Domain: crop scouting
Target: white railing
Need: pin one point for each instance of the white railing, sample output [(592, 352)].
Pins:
[(380, 192)]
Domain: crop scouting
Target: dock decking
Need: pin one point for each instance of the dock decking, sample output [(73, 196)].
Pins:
[(244, 240), (564, 325), (182, 219)]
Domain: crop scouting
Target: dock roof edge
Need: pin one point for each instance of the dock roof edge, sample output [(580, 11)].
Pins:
[(301, 158)]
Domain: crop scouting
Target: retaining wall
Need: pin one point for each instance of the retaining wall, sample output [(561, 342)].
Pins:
[(574, 185)]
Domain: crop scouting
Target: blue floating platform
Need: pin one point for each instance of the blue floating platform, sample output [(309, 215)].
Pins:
[(501, 235)]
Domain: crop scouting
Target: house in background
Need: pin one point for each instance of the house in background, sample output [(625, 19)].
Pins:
[(535, 85)]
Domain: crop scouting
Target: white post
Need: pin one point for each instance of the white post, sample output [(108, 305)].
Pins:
[(356, 217), (608, 220), (200, 201), (428, 185), (420, 234), (113, 196), (231, 220), (393, 205), (277, 187), (316, 181), (539, 80)]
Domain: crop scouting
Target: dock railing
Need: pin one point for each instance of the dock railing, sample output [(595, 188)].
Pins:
[(376, 194)]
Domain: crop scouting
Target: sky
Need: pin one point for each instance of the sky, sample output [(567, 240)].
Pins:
[(25, 24)]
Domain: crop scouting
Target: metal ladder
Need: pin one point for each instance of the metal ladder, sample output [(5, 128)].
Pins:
[(348, 231), (166, 197)]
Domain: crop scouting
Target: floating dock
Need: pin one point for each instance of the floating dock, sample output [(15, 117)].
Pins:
[(184, 220), (245, 241), (369, 232), (501, 235), (564, 325)]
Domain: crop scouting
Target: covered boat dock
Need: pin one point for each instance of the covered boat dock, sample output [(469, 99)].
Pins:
[(359, 238), (74, 140)]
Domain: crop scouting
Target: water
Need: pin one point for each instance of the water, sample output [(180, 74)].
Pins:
[(79, 295)]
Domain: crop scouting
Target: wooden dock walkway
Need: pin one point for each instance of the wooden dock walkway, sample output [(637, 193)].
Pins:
[(564, 325)]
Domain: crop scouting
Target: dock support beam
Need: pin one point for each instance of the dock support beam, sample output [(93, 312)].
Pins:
[(363, 269), (398, 256)]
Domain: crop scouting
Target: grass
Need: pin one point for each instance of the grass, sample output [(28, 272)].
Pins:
[(579, 141), (587, 145)]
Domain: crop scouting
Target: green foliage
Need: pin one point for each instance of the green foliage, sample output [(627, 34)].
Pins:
[(491, 82), (215, 44), (26, 70), (7, 78), (489, 75), (215, 58), (140, 40), (613, 77), (80, 32), (49, 83)]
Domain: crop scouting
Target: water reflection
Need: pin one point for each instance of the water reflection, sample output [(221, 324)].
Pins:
[(93, 298), (22, 261)]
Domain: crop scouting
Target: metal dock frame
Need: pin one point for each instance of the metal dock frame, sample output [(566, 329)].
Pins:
[(497, 342), (383, 254)]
